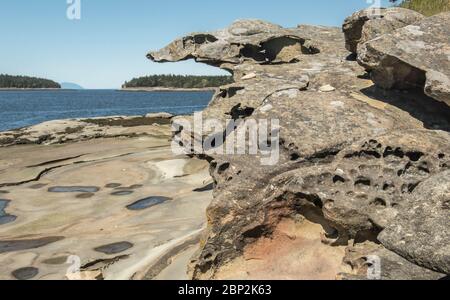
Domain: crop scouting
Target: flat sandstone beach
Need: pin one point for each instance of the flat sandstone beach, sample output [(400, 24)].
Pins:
[(117, 206)]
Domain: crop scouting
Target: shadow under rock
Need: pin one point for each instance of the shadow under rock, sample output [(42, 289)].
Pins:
[(435, 115)]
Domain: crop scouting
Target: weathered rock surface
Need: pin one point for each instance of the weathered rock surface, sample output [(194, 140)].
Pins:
[(70, 206), (349, 158), (413, 57), (159, 115), (74, 130), (368, 24), (420, 231), (373, 261)]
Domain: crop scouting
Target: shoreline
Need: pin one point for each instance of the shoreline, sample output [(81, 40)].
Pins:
[(164, 89), (31, 89)]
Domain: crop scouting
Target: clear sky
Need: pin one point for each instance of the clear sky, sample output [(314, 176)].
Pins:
[(108, 44)]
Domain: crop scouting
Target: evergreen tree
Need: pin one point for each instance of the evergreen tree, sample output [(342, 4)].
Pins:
[(178, 81), (25, 82)]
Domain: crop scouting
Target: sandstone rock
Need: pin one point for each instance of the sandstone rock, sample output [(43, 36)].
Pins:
[(252, 40), (51, 227), (368, 24), (161, 115), (420, 231), (413, 57), (326, 88), (370, 261), (348, 160), (73, 130)]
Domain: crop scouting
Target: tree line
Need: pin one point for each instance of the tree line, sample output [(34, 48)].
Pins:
[(426, 7), (26, 82), (178, 81)]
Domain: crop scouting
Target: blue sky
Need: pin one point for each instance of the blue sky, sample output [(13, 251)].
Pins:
[(108, 45)]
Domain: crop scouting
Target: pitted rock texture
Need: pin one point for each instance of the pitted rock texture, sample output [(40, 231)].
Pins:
[(374, 261), (368, 24), (252, 40), (349, 158), (420, 232), (414, 57)]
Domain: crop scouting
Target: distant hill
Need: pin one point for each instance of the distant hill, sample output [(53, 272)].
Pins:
[(26, 82), (71, 86), (178, 81), (426, 7)]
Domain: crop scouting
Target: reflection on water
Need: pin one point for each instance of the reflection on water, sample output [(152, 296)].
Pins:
[(147, 203)]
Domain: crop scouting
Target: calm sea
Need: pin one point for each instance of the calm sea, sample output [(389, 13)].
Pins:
[(25, 108)]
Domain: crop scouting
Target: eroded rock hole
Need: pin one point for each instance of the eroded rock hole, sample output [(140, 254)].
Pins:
[(256, 232), (222, 168), (238, 112), (409, 187), (295, 157), (363, 181), (230, 92), (279, 50), (204, 38), (389, 186), (414, 155), (370, 235), (379, 202), (446, 204), (396, 74), (398, 152), (364, 154), (338, 179)]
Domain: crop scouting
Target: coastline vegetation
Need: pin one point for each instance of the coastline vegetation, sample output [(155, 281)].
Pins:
[(26, 82), (178, 81), (425, 7)]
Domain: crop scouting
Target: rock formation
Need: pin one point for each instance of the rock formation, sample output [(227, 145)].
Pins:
[(413, 57), (92, 208), (368, 24), (75, 130), (354, 161)]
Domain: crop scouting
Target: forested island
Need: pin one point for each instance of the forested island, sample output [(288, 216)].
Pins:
[(26, 82), (177, 82)]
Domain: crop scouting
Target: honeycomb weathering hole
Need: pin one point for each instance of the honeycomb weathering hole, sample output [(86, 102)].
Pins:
[(283, 49), (295, 250)]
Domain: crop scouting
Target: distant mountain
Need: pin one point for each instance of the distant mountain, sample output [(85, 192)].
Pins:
[(70, 86)]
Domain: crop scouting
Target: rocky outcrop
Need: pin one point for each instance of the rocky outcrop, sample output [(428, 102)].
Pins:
[(74, 130), (363, 259), (368, 24), (253, 40), (420, 232), (351, 156), (413, 57)]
